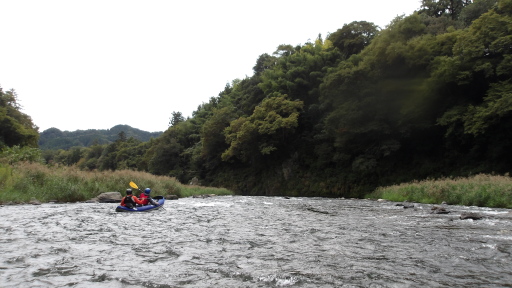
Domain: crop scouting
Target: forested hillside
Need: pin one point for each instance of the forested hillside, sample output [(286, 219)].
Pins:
[(428, 96), (54, 139)]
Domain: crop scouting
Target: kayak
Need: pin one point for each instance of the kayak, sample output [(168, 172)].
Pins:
[(159, 199)]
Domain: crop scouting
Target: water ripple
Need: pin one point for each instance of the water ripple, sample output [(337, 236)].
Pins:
[(254, 242)]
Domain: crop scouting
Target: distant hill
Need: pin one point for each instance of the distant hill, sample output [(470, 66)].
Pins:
[(54, 139)]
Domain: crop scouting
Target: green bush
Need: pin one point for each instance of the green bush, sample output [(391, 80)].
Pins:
[(17, 154)]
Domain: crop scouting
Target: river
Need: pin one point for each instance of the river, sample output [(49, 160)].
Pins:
[(240, 241)]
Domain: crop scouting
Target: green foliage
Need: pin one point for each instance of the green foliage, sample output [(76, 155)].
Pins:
[(473, 11), (496, 105), (176, 118), (25, 181), (478, 190), (440, 8), (5, 176), (16, 153), (352, 38), (191, 190), (480, 64), (263, 63), (298, 72), (16, 128), (170, 154), (276, 118), (212, 135)]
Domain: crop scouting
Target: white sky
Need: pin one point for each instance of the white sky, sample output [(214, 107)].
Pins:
[(94, 64)]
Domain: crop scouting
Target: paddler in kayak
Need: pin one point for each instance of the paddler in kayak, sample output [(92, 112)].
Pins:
[(145, 199), (129, 200)]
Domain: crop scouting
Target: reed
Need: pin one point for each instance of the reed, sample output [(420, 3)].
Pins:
[(191, 190), (480, 190), (24, 181)]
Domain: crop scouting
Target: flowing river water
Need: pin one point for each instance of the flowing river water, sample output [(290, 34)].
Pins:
[(240, 241)]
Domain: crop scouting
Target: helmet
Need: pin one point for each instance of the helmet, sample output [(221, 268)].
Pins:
[(128, 191), (147, 191)]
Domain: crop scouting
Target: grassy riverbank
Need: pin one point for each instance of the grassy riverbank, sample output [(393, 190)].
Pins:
[(24, 181), (479, 190)]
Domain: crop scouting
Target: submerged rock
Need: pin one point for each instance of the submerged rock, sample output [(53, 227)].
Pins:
[(405, 205), (469, 215), (34, 201), (204, 196), (439, 210)]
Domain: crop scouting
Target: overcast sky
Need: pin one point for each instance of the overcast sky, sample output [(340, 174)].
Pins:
[(94, 64)]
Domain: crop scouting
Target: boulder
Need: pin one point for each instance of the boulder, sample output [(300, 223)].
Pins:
[(439, 210), (34, 201), (469, 215), (171, 197), (109, 197), (405, 205)]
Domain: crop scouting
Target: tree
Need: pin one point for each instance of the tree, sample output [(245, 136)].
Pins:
[(439, 8), (212, 136), (176, 118), (263, 63), (352, 38), (284, 50), (264, 131), (16, 128), (121, 137), (472, 12), (482, 63)]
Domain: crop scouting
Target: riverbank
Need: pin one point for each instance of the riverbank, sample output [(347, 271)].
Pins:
[(481, 190), (24, 182)]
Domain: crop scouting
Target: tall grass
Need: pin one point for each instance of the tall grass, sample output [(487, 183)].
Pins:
[(480, 190), (190, 190), (25, 181)]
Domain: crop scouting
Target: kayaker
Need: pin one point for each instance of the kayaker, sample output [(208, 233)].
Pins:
[(129, 200), (145, 199)]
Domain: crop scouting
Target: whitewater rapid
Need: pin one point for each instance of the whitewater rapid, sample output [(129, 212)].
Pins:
[(240, 241)]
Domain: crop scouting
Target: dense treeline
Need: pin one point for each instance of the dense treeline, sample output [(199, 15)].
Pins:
[(428, 96)]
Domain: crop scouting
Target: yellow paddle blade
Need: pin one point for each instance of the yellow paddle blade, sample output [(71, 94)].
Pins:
[(133, 185)]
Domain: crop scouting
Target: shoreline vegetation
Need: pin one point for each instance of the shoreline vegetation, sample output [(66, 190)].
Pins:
[(482, 190), (23, 182)]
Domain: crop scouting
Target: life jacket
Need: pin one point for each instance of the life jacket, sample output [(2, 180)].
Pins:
[(144, 198), (128, 201)]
